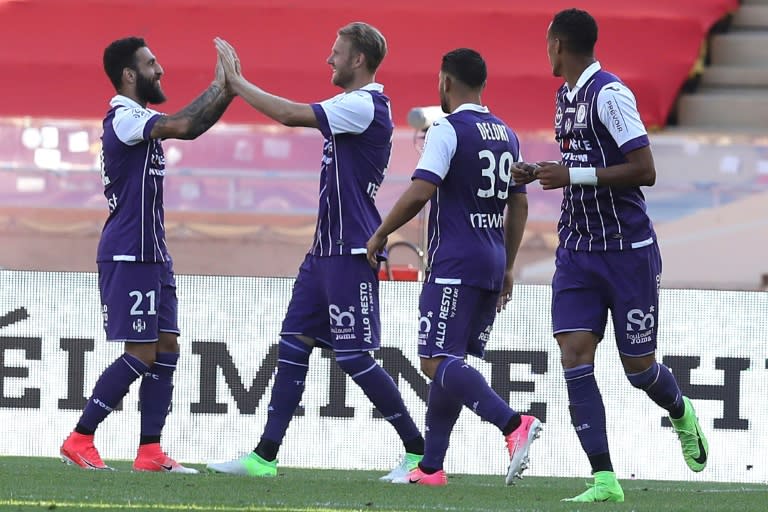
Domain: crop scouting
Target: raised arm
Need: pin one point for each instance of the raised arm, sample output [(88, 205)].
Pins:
[(286, 112), (195, 119)]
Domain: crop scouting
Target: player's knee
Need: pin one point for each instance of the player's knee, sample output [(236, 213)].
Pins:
[(292, 350), (306, 340), (356, 363), (168, 342), (572, 359), (573, 355), (577, 348), (644, 379), (144, 352)]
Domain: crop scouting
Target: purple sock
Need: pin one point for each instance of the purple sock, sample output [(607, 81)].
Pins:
[(661, 386), (381, 390), (468, 385), (155, 394), (292, 365), (442, 412), (587, 411), (111, 387)]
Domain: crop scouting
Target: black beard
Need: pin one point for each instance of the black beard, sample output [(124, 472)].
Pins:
[(149, 91)]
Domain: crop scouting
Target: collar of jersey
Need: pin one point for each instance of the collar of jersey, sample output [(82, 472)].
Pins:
[(373, 86), (471, 106), (585, 76), (124, 101)]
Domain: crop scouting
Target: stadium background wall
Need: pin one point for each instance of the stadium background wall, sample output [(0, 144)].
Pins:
[(52, 349), (283, 47)]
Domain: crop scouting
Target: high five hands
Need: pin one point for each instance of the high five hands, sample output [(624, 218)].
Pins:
[(228, 62), (550, 174)]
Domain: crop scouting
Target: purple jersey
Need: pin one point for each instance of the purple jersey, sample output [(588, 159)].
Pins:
[(596, 124), (357, 127), (132, 169), (469, 155)]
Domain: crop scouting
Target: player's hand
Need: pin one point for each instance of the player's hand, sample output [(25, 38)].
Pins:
[(220, 77), (374, 246), (506, 291), (230, 63), (524, 173), (553, 175)]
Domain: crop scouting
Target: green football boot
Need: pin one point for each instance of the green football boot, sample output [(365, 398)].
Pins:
[(692, 440), (605, 488)]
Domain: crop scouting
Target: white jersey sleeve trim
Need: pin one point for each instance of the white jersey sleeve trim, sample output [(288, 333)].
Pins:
[(644, 243), (349, 113), (439, 148), (617, 109), (129, 123)]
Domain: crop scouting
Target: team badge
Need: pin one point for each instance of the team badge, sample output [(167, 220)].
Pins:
[(581, 116), (139, 325)]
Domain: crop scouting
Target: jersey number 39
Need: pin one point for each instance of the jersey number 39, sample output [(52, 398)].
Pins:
[(489, 171)]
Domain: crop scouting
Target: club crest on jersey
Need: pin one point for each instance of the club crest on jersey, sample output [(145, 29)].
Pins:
[(581, 116), (558, 116), (139, 325), (568, 125)]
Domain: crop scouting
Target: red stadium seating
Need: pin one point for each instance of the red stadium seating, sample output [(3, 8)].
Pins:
[(51, 59)]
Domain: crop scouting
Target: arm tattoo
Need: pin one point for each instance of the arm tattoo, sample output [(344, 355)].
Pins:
[(204, 111)]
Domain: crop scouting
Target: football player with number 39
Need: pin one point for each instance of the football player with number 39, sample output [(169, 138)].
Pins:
[(465, 172)]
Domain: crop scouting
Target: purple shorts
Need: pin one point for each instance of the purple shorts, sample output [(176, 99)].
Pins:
[(586, 285), (335, 300), (455, 320), (138, 300)]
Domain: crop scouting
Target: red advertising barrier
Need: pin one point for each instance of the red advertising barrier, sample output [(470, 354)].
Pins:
[(51, 58)]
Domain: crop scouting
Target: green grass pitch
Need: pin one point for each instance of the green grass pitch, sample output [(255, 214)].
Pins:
[(42, 484)]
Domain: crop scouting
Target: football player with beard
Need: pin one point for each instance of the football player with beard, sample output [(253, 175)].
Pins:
[(136, 280)]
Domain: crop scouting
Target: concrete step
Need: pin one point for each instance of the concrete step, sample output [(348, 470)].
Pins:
[(754, 2), (731, 109), (751, 17), (735, 76), (740, 49)]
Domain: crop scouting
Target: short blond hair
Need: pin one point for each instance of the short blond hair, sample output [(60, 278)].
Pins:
[(367, 40)]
